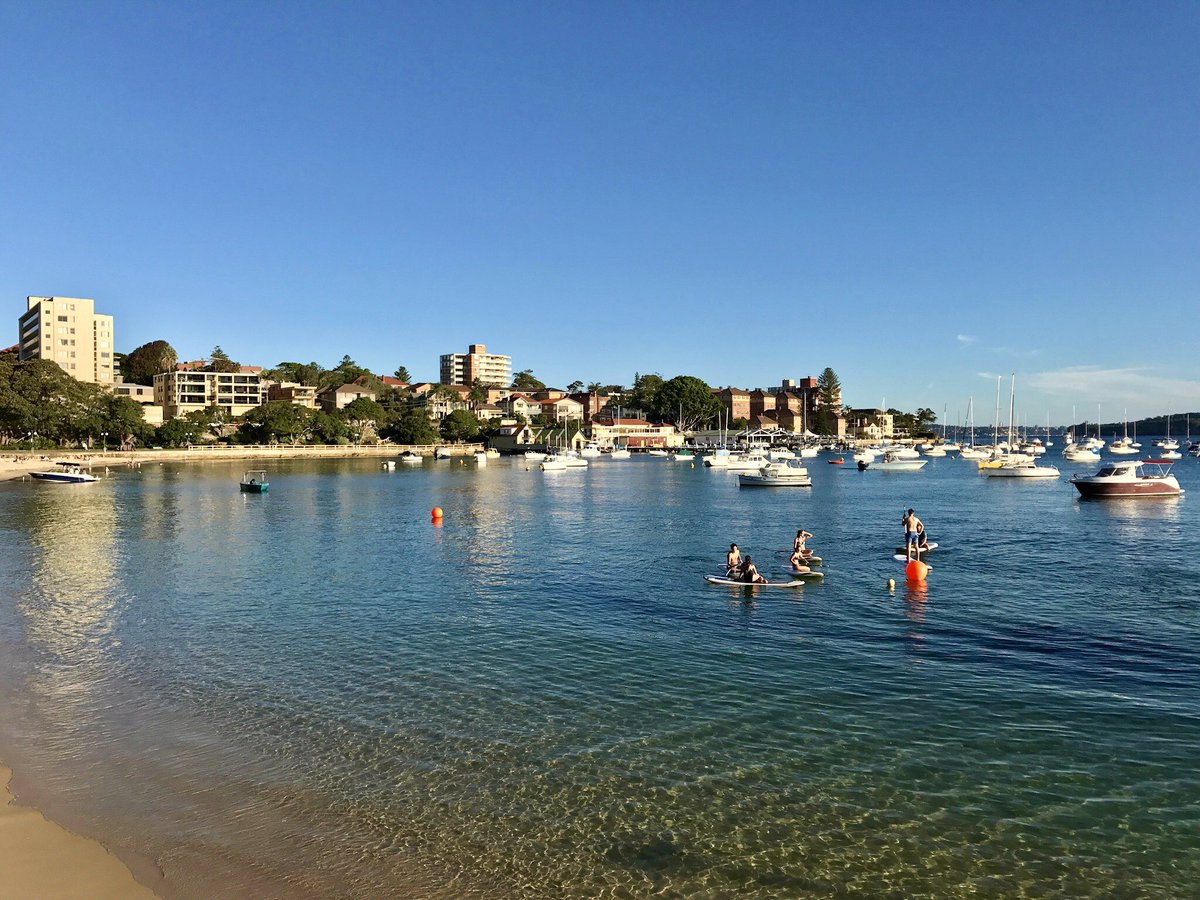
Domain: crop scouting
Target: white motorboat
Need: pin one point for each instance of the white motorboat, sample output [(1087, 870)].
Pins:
[(492, 453), (809, 452), (1022, 468), (1079, 453), (554, 464), (890, 463), (534, 456), (935, 450), (442, 453), (684, 456), (718, 459), (480, 457), (409, 457), (868, 455), (780, 453), (389, 465), (902, 452), (776, 474), (750, 461), (657, 452), (620, 453), (952, 447), (1128, 478), (591, 450), (66, 473)]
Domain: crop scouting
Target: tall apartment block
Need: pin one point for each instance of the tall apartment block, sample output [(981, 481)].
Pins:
[(476, 364), (67, 331)]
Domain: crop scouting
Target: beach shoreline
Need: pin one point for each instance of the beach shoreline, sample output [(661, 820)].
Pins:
[(41, 858), (19, 464)]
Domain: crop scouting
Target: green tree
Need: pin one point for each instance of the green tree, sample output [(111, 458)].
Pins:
[(410, 426), (402, 374), (645, 392), (329, 427), (575, 386), (148, 360), (460, 425), (362, 411), (687, 401), (524, 381), (829, 401), (278, 420), (299, 373), (219, 361)]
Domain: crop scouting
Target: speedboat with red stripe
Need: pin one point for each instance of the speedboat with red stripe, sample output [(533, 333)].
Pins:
[(1130, 478)]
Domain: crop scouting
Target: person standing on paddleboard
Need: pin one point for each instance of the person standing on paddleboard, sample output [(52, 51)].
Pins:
[(912, 534)]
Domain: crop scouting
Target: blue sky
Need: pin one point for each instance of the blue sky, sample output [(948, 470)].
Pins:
[(921, 196)]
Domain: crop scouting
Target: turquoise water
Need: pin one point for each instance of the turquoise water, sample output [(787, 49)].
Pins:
[(316, 692)]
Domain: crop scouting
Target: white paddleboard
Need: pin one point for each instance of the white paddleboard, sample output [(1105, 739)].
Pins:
[(932, 545), (733, 582), (900, 557), (796, 574)]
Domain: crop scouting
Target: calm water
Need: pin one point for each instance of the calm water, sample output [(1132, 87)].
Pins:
[(316, 692)]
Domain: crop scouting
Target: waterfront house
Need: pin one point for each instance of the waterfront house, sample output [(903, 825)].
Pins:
[(634, 433), (334, 398), (299, 394)]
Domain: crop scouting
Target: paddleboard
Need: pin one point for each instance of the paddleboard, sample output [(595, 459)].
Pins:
[(900, 557), (811, 561), (731, 582), (813, 575), (933, 545)]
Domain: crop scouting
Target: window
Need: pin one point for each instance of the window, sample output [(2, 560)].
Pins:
[(62, 318), (104, 355), (104, 343), (72, 354), (72, 331), (63, 342)]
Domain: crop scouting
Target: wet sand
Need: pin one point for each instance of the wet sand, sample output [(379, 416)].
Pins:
[(41, 859)]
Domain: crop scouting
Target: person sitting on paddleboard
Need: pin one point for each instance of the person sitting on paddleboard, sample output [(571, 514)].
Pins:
[(798, 543), (750, 573), (733, 561), (911, 534), (922, 537), (798, 560)]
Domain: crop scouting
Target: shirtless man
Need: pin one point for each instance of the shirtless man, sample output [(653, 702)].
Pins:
[(750, 573), (733, 562), (912, 534)]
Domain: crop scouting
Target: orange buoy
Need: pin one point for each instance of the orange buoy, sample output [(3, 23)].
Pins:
[(436, 512), (916, 570)]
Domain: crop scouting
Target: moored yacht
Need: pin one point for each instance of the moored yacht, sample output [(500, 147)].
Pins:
[(777, 474), (1128, 478)]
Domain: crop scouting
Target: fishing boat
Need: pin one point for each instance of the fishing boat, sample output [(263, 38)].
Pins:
[(66, 473), (1130, 478), (776, 474), (255, 482)]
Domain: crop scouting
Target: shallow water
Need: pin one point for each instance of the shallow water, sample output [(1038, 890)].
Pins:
[(316, 692)]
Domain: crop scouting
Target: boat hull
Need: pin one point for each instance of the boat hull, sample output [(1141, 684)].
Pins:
[(61, 478), (253, 488), (769, 481), (1145, 487)]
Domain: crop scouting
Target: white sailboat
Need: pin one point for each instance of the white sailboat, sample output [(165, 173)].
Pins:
[(1019, 465), (1123, 446)]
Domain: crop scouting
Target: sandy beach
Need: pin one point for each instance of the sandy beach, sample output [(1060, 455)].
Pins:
[(44, 860)]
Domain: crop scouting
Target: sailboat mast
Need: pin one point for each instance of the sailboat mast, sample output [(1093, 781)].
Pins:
[(1012, 401)]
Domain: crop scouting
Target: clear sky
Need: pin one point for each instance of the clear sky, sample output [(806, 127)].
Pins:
[(921, 196)]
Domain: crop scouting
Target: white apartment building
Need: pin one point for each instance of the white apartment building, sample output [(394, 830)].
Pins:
[(180, 393), (66, 330), (476, 364)]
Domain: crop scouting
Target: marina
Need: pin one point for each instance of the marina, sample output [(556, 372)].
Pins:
[(486, 736)]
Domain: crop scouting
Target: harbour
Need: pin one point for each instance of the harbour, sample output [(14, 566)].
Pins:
[(317, 691)]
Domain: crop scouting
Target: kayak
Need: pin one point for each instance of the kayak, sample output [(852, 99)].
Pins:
[(733, 582), (836, 462), (933, 545)]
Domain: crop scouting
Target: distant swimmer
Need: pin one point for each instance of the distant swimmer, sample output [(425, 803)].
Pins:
[(912, 534), (733, 561), (750, 573)]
